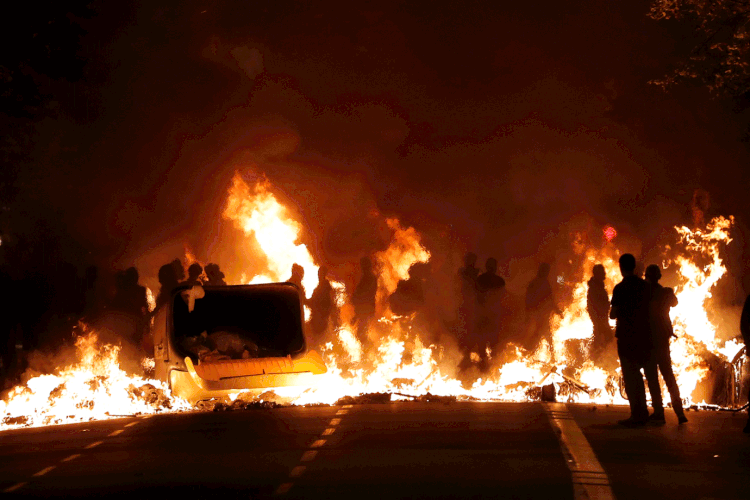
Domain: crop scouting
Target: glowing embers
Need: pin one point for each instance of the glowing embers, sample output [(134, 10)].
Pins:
[(93, 388), (609, 233)]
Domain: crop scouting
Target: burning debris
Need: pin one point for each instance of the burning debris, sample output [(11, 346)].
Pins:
[(93, 388), (391, 345)]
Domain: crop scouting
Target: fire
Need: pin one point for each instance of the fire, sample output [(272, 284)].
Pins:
[(396, 358), (258, 213), (93, 388)]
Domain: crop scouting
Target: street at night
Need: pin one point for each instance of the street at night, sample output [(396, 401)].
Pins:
[(336, 249), (396, 450)]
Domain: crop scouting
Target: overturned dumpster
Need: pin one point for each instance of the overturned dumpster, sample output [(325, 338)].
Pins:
[(211, 342)]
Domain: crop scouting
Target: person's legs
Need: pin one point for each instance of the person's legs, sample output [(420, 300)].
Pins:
[(650, 368), (633, 380), (664, 360)]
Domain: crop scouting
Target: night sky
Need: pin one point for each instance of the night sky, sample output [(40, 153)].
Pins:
[(490, 125)]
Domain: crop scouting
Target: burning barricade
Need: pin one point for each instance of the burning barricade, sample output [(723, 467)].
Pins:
[(205, 349)]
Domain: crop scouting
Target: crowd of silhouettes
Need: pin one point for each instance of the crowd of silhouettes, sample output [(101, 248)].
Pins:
[(44, 308)]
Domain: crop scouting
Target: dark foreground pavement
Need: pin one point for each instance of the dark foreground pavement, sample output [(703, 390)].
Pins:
[(398, 450)]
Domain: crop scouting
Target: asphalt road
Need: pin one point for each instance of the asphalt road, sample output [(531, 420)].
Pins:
[(396, 450)]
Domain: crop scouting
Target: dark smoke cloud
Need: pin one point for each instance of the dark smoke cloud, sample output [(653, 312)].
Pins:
[(487, 127)]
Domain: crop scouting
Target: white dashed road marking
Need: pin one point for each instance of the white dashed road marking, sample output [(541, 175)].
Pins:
[(45, 470), (329, 431), (297, 471), (116, 433), (318, 443), (283, 488), (93, 445), (131, 424), (309, 456), (71, 457), (589, 479), (335, 421), (14, 487)]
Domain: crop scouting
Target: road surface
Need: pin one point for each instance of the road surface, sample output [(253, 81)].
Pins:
[(383, 451)]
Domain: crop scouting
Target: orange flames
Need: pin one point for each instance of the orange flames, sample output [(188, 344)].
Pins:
[(93, 388), (397, 359)]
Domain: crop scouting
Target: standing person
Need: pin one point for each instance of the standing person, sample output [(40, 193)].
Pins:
[(363, 298), (467, 309), (490, 289), (321, 304), (214, 276), (540, 304), (597, 305), (168, 279), (662, 300), (745, 330), (298, 274), (630, 307), (194, 275)]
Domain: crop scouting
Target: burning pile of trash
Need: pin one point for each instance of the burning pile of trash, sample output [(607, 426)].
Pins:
[(93, 388)]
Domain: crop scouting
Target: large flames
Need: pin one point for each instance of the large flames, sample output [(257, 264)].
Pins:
[(94, 387), (399, 356)]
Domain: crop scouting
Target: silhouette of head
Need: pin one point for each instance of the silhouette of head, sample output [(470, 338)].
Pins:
[(653, 273), (194, 271), (491, 265), (167, 275), (131, 276), (298, 271), (179, 270), (470, 259), (543, 271), (599, 272), (627, 264), (213, 272)]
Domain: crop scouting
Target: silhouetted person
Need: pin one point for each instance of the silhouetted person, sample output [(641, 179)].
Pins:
[(214, 276), (470, 272), (467, 310), (490, 287), (298, 274), (194, 275), (662, 300), (745, 330), (540, 305), (179, 270), (489, 281), (322, 304), (597, 305), (363, 298), (409, 294), (630, 307), (130, 299), (168, 279)]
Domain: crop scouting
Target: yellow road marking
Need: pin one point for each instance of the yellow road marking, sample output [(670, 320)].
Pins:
[(590, 481), (94, 444), (45, 470), (72, 457), (329, 431), (308, 456), (297, 471), (15, 487), (283, 488)]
